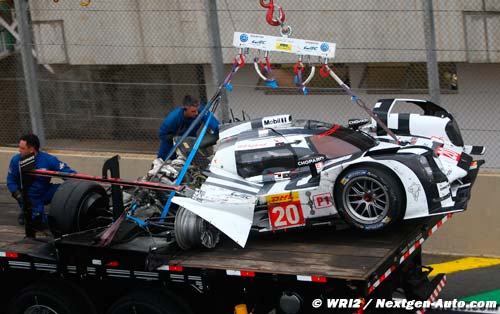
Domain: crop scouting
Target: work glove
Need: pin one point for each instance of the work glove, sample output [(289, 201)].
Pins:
[(155, 166)]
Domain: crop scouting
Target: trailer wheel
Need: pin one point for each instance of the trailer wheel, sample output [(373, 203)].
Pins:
[(77, 206), (145, 302), (369, 198), (51, 298)]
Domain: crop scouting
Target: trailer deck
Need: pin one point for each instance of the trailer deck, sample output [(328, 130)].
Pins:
[(343, 254)]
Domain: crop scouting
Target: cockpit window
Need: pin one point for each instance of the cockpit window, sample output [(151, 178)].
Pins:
[(341, 142), (257, 162)]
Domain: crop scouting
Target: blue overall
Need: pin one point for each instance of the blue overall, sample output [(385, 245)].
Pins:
[(175, 124), (41, 190)]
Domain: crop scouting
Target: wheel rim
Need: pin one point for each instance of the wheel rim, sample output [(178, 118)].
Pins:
[(39, 309), (366, 200)]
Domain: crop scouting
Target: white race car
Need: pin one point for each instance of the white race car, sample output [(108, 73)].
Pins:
[(275, 173)]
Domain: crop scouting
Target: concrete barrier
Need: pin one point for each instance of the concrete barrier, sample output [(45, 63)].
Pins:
[(474, 232), (132, 166)]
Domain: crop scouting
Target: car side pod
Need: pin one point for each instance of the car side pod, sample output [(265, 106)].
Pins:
[(311, 161)]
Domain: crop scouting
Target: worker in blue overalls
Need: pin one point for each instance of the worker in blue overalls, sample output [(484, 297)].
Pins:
[(177, 122), (41, 190)]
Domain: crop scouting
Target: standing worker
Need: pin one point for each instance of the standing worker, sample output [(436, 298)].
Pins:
[(41, 191), (177, 122)]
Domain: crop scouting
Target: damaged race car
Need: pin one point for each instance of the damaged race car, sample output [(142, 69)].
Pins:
[(276, 173)]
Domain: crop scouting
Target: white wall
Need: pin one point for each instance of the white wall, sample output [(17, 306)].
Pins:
[(169, 32)]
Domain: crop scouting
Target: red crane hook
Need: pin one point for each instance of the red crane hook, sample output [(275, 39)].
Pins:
[(270, 13)]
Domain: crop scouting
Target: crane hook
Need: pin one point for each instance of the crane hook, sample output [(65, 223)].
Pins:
[(84, 3)]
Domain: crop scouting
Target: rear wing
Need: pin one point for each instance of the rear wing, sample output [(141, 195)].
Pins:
[(474, 150)]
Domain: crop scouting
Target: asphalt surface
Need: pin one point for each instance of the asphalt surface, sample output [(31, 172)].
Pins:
[(459, 285), (8, 207)]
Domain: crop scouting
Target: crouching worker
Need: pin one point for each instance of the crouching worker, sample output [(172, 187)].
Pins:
[(178, 121), (41, 190)]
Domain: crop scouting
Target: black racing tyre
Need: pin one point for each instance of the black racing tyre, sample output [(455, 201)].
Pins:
[(149, 301), (188, 229), (369, 198), (193, 231), (77, 206), (54, 297)]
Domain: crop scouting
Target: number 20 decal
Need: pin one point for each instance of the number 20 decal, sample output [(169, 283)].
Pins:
[(286, 215)]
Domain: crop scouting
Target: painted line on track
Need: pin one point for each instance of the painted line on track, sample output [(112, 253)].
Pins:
[(463, 264), (486, 296)]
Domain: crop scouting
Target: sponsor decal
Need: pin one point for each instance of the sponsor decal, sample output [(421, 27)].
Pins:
[(375, 226), (283, 46), (199, 195), (241, 195), (27, 160), (312, 48), (259, 42), (437, 139), (319, 165), (306, 162), (356, 121), (322, 200), (243, 38), (284, 197), (353, 174), (269, 121), (253, 145), (324, 47), (448, 153)]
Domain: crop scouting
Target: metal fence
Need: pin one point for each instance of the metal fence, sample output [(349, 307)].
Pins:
[(107, 72)]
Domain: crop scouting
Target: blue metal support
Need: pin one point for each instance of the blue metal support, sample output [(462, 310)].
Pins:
[(187, 164)]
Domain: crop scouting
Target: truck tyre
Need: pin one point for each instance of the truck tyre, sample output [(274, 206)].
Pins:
[(150, 301), (370, 199), (51, 298), (77, 206)]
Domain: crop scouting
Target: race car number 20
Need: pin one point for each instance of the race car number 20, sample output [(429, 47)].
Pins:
[(285, 210), (286, 215)]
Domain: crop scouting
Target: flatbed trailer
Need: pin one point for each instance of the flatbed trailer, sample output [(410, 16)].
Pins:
[(285, 272)]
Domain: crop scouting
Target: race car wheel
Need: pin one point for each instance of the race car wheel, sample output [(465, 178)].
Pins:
[(369, 198), (193, 231), (77, 206)]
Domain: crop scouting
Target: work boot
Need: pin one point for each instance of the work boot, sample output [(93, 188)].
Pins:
[(20, 219)]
